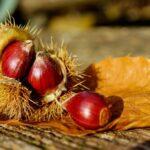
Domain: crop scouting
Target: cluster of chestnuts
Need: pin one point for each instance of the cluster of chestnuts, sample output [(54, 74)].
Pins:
[(44, 75)]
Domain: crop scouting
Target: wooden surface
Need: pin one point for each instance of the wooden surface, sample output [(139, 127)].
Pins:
[(26, 138), (90, 46)]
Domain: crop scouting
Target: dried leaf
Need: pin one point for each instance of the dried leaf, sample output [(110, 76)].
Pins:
[(129, 79)]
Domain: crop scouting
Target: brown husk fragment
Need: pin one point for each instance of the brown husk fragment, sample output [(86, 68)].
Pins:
[(14, 100), (51, 111)]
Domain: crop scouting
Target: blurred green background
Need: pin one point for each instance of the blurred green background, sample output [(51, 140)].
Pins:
[(6, 7)]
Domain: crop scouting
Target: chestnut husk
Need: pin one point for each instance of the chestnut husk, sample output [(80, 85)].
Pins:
[(15, 97), (11, 32), (14, 100), (54, 109)]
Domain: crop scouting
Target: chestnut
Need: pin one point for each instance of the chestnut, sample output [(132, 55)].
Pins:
[(44, 75), (88, 110), (17, 58)]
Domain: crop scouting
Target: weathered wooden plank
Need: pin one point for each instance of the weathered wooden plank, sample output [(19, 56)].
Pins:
[(37, 138)]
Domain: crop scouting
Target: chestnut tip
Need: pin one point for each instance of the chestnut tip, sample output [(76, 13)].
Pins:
[(28, 44), (104, 117)]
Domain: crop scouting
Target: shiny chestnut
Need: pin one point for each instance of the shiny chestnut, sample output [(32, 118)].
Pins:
[(44, 75), (17, 58), (88, 110)]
